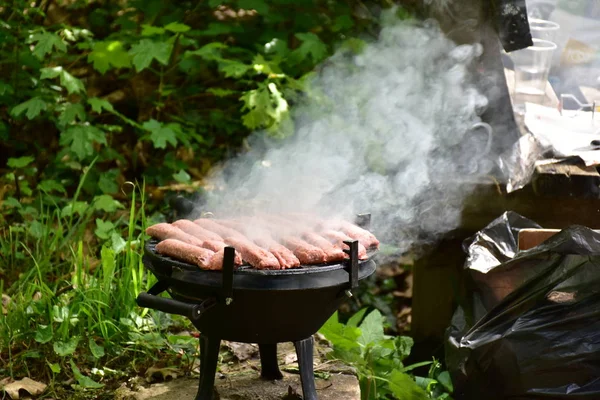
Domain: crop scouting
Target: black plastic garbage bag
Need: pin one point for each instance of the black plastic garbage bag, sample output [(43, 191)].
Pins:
[(531, 329)]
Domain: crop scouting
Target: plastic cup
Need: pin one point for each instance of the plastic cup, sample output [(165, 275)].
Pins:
[(532, 67), (542, 29)]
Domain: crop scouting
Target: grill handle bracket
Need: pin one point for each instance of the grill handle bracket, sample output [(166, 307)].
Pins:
[(228, 263), (191, 311), (352, 264)]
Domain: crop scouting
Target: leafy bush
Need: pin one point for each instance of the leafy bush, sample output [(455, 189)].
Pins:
[(378, 359), (160, 89)]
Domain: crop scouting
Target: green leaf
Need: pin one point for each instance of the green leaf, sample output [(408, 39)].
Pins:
[(177, 27), (99, 104), (107, 55), (405, 388), (149, 30), (103, 229), (108, 182), (340, 335), (117, 242), (50, 73), (70, 113), (342, 22), (11, 202), (356, 318), (50, 185), (36, 229), (147, 50), (311, 46), (66, 348), (160, 134), (96, 349), (5, 88), (81, 138), (43, 334), (67, 80), (233, 69), (255, 119), (33, 108), (260, 6), (79, 207), (20, 162), (182, 176), (403, 345), (446, 381), (219, 92), (72, 84), (55, 368), (82, 380), (214, 3), (372, 328), (46, 41), (106, 203), (209, 52)]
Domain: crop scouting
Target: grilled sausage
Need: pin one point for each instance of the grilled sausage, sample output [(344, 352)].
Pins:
[(195, 230), (285, 256), (306, 252), (217, 246), (365, 237), (332, 253), (164, 231), (253, 254), (216, 262), (186, 252), (338, 238), (214, 226)]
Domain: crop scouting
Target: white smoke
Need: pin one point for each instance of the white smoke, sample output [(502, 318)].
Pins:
[(391, 134)]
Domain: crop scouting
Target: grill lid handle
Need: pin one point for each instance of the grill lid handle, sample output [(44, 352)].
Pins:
[(352, 267)]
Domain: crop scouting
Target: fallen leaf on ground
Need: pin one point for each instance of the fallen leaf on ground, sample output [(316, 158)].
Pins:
[(242, 351), (5, 302), (24, 386), (290, 358), (166, 373)]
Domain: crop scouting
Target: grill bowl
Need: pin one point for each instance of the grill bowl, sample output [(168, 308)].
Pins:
[(269, 306)]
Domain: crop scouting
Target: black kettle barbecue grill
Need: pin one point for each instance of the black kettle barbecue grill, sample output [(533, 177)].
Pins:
[(254, 306)]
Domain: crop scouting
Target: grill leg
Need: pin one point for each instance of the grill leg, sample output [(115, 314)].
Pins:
[(269, 369), (304, 351), (209, 357)]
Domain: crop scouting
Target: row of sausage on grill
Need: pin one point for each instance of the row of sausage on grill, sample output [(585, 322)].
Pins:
[(272, 242)]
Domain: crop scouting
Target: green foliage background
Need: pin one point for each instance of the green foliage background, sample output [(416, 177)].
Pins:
[(105, 107), (154, 89)]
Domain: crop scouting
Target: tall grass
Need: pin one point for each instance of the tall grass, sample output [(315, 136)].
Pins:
[(72, 294)]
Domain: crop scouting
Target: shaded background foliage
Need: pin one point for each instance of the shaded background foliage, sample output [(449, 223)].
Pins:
[(155, 89), (105, 108)]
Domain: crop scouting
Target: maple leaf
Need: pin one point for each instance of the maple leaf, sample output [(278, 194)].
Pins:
[(45, 42), (99, 104), (108, 54), (311, 46), (67, 80), (147, 50), (233, 69), (258, 104), (33, 108), (177, 27), (81, 139), (149, 30), (70, 113), (160, 134)]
